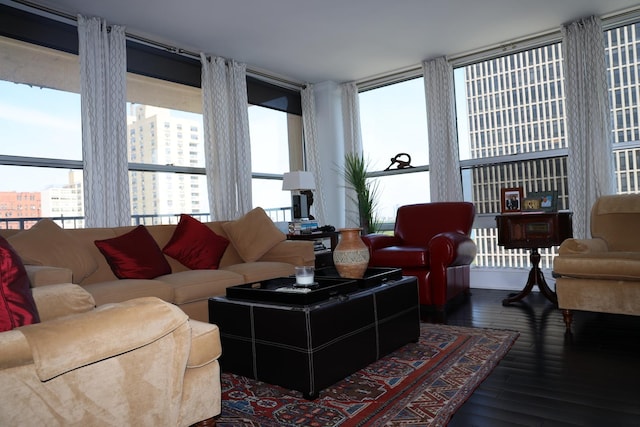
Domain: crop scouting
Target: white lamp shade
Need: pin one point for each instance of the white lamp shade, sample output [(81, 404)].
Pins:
[(299, 180)]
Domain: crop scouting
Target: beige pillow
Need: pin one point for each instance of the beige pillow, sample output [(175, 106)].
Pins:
[(47, 244), (253, 234)]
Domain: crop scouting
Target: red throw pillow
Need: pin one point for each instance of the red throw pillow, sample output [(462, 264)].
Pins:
[(17, 307), (134, 255), (195, 245)]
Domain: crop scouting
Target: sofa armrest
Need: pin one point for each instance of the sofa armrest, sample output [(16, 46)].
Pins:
[(295, 252), (42, 275), (60, 300), (450, 249), (379, 241), (582, 246), (108, 331)]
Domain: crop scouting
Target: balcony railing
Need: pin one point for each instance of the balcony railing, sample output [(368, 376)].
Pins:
[(23, 223)]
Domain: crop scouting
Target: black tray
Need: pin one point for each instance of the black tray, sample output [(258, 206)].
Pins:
[(373, 276), (267, 290)]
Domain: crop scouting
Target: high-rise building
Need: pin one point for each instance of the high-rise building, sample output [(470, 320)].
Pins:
[(157, 137), (623, 63), (515, 106)]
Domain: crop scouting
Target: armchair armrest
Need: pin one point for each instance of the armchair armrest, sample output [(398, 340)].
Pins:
[(451, 248), (582, 246), (379, 241), (41, 275)]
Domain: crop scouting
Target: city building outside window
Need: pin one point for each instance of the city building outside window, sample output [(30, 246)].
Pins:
[(166, 168), (512, 134), (622, 53)]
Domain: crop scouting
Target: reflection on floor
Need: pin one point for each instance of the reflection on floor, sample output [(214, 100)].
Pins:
[(549, 378)]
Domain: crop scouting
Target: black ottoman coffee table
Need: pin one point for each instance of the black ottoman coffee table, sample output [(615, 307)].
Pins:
[(309, 346)]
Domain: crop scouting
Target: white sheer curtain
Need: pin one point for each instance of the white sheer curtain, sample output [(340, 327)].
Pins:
[(103, 67), (590, 162), (351, 118), (226, 134), (311, 149), (444, 161), (352, 143)]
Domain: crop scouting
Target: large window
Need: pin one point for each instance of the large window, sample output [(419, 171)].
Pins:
[(40, 120), (166, 150), (272, 132), (41, 148), (393, 121), (512, 134)]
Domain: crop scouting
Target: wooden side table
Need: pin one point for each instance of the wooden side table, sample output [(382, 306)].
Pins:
[(533, 230), (324, 258)]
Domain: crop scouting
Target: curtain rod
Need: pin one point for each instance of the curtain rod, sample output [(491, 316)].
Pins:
[(71, 19)]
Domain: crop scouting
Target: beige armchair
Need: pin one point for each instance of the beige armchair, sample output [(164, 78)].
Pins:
[(602, 274), (141, 362)]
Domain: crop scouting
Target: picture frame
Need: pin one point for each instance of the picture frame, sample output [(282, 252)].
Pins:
[(511, 200), (541, 201)]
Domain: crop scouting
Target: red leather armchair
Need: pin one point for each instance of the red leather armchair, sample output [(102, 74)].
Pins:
[(430, 241)]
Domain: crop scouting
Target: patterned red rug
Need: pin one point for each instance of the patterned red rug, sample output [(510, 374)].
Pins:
[(421, 383)]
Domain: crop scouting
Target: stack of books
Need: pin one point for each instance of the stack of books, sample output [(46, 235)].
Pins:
[(303, 226)]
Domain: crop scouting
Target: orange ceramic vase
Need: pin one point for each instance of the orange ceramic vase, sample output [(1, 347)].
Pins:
[(351, 255)]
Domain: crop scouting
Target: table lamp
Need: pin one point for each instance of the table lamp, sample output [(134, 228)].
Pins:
[(295, 182)]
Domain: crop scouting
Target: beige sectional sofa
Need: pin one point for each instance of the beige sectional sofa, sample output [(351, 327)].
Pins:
[(86, 366), (257, 250)]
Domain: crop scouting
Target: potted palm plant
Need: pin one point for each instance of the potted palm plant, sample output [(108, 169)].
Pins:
[(355, 175)]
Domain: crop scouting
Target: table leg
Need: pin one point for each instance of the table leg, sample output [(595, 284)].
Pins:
[(535, 278)]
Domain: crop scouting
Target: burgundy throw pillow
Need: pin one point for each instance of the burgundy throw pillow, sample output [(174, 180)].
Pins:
[(195, 245), (134, 255), (17, 307)]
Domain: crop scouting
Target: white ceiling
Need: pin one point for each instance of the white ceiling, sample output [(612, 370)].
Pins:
[(336, 40)]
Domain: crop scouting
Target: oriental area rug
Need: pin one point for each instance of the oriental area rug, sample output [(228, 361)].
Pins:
[(421, 383)]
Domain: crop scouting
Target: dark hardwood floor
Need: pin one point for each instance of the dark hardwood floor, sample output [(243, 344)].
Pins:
[(591, 378)]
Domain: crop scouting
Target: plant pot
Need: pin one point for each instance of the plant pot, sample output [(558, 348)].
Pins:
[(351, 255)]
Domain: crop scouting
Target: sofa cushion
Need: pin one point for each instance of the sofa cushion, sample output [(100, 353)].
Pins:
[(262, 270), (205, 344), (17, 307), (599, 265), (253, 234), (47, 244), (195, 245), (126, 289), (197, 285), (134, 255)]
